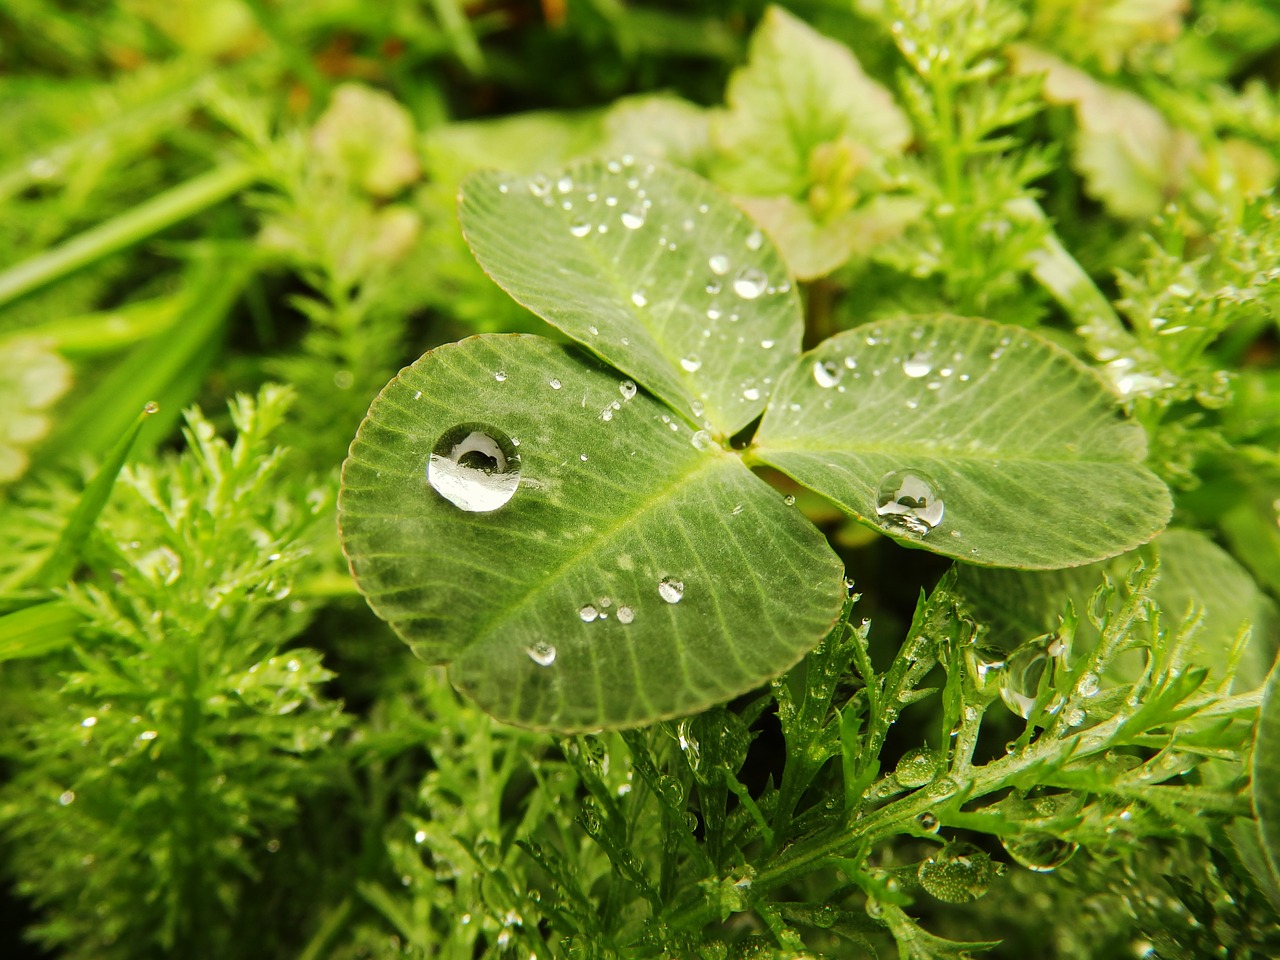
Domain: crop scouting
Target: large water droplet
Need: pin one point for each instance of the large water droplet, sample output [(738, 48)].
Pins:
[(909, 500), (1039, 851), (749, 283), (958, 873), (1024, 669), (588, 613), (701, 440), (671, 590), (827, 373), (542, 653), (917, 365), (917, 767), (475, 467), (633, 219), (625, 614)]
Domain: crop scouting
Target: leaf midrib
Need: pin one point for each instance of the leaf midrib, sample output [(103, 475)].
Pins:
[(486, 631)]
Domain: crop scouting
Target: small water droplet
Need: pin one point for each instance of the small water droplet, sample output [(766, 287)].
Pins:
[(539, 185), (588, 613), (151, 407), (554, 383), (1074, 717), (633, 219), (67, 798), (626, 614), (639, 298), (719, 264), (671, 590), (627, 388), (475, 467), (500, 376), (910, 501), (927, 822), (542, 653), (691, 363), (580, 227), (749, 283), (754, 240), (827, 373), (701, 440), (582, 457), (917, 365), (766, 344), (789, 500), (751, 393), (1088, 685)]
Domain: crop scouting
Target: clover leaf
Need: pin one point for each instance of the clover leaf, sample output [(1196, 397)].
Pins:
[(569, 527)]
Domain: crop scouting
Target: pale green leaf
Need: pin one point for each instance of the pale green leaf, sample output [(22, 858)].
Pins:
[(659, 126), (1132, 159), (813, 247), (33, 379), (799, 91), (1266, 781), (526, 601), (652, 269), (1023, 445)]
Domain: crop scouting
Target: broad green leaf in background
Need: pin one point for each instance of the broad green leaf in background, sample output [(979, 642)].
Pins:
[(803, 143), (581, 558), (653, 270), (977, 440), (1132, 159), (31, 381), (1266, 782), (1017, 605)]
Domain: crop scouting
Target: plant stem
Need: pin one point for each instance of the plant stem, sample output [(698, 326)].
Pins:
[(130, 227)]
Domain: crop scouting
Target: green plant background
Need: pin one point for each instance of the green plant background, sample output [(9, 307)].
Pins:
[(227, 225)]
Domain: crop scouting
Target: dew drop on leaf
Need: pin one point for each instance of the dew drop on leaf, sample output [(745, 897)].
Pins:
[(1039, 851), (1023, 670), (749, 283), (827, 373), (639, 298), (475, 467), (910, 501), (633, 219), (701, 440), (927, 822), (754, 240), (917, 365), (627, 388), (554, 383), (542, 653), (588, 613), (691, 363), (580, 227), (671, 590), (917, 767), (626, 614), (719, 264), (958, 873)]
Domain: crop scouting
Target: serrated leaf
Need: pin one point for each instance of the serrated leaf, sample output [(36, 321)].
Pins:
[(1266, 777), (526, 601), (1131, 158), (1024, 457), (798, 92), (652, 269)]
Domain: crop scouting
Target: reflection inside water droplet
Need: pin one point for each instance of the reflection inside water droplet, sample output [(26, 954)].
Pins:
[(542, 653), (1038, 851), (671, 589), (917, 365), (1024, 670), (958, 873), (909, 500), (827, 373), (749, 283), (627, 388), (475, 467)]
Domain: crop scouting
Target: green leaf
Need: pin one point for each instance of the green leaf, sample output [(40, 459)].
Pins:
[(1024, 457), (37, 630), (653, 270), (31, 381), (551, 608), (1266, 779), (803, 144), (799, 91)]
